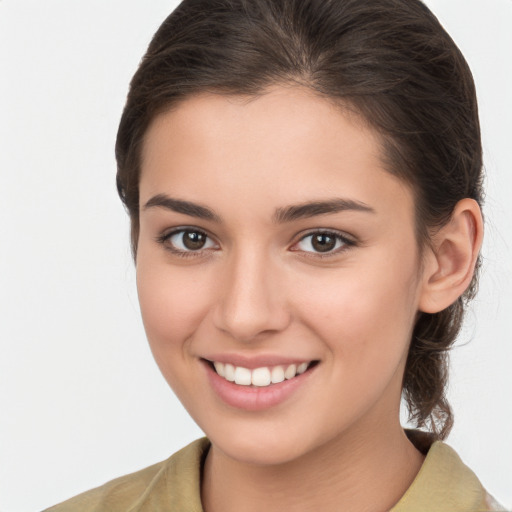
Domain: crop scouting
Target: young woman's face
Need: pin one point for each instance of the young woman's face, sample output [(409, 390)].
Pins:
[(271, 239)]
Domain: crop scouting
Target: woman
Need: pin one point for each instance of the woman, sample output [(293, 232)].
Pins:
[(303, 180)]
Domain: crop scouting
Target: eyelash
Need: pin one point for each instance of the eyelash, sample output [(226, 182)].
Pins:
[(346, 242), (164, 239)]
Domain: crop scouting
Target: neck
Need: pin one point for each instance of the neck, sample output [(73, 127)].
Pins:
[(354, 472)]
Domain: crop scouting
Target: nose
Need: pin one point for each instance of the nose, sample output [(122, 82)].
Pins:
[(251, 300)]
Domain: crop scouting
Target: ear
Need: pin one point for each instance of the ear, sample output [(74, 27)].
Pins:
[(450, 262)]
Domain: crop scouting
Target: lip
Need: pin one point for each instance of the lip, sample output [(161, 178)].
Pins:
[(256, 361), (251, 398)]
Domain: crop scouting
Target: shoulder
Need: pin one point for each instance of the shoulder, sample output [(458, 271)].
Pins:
[(173, 484), (445, 484)]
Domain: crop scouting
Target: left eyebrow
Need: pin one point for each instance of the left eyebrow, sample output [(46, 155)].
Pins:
[(314, 208)]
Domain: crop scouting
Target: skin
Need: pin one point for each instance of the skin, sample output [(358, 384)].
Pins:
[(259, 287)]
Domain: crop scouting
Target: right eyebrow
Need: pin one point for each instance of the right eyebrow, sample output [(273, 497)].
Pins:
[(180, 206)]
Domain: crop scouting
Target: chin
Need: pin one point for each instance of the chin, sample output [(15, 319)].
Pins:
[(266, 443), (259, 452)]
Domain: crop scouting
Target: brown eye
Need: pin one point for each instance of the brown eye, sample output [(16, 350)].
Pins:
[(193, 240), (188, 240), (323, 242)]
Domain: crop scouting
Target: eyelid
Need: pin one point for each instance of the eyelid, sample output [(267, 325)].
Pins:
[(347, 241), (164, 238)]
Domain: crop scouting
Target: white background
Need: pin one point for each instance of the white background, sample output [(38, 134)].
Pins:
[(81, 400)]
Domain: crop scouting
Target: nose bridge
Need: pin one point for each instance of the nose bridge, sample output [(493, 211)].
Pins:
[(250, 302)]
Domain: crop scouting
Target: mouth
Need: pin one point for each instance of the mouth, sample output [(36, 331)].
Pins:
[(261, 377)]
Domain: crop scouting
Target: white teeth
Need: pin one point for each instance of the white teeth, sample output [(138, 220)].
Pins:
[(261, 377), (290, 372), (302, 368), (277, 374), (242, 376), (219, 368), (229, 372)]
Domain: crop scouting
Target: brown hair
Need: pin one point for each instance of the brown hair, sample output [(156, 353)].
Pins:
[(389, 60)]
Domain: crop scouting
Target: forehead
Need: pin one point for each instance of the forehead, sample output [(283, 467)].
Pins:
[(291, 115), (288, 142)]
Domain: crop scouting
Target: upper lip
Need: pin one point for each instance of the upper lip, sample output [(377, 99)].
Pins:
[(256, 361)]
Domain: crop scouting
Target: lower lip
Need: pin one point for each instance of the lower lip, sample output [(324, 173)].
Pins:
[(254, 398)]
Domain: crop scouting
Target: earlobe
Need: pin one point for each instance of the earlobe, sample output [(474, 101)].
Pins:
[(451, 261)]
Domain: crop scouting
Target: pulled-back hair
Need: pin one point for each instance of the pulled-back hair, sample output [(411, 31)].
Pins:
[(388, 60)]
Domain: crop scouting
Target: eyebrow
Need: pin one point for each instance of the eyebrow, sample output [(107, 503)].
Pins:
[(281, 215), (180, 206), (314, 208)]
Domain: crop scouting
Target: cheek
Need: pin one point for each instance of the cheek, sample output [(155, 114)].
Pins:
[(365, 315), (172, 301)]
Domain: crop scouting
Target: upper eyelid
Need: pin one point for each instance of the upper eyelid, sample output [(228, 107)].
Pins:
[(167, 234), (348, 242), (179, 229), (164, 240), (337, 233)]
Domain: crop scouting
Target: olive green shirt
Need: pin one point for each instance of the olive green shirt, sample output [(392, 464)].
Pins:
[(443, 484)]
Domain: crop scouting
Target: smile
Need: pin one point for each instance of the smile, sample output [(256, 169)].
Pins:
[(259, 377), (267, 383)]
